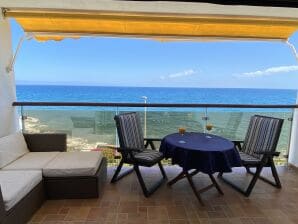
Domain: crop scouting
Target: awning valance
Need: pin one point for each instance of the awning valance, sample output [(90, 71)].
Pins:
[(56, 25)]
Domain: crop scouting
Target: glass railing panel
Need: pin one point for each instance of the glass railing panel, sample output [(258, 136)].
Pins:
[(93, 128), (233, 123), (159, 122), (87, 128), (228, 123)]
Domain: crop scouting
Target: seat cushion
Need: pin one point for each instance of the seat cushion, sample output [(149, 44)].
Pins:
[(148, 157), (69, 164), (12, 147), (17, 184), (248, 159), (32, 161)]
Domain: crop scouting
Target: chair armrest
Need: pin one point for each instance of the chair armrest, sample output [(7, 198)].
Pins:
[(153, 139), (46, 142), (238, 144), (127, 150), (2, 207), (265, 153), (150, 141), (238, 141)]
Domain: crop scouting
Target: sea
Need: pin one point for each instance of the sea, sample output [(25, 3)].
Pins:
[(93, 127), (53, 93)]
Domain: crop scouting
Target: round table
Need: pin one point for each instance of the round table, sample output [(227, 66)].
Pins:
[(202, 153)]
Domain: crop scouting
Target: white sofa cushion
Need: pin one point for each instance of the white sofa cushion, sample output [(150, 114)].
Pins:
[(17, 184), (69, 164), (12, 147), (32, 161)]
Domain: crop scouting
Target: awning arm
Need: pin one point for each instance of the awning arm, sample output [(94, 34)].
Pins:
[(293, 49), (26, 36)]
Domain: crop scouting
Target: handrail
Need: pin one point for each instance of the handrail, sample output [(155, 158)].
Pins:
[(183, 105)]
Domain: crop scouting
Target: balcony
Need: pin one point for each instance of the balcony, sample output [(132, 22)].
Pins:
[(90, 126)]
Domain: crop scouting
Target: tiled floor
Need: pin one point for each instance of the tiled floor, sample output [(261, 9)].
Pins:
[(124, 203)]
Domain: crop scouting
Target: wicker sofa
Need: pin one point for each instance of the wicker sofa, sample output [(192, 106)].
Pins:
[(36, 167)]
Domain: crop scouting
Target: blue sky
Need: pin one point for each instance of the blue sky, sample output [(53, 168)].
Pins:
[(138, 62)]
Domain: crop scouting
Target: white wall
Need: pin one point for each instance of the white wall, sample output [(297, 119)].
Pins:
[(8, 118), (293, 153)]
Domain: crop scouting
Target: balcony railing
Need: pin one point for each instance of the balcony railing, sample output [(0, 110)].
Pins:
[(90, 126)]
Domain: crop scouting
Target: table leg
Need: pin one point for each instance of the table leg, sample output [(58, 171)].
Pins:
[(215, 184), (193, 187), (198, 192), (181, 176), (194, 172)]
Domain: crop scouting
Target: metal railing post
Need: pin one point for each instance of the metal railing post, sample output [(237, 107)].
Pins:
[(23, 118), (145, 116)]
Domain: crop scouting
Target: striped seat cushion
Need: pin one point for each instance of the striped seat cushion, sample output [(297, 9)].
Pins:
[(130, 131), (148, 157), (262, 135), (248, 159)]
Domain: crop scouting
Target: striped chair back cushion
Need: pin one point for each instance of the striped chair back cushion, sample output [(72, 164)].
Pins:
[(129, 131), (262, 134)]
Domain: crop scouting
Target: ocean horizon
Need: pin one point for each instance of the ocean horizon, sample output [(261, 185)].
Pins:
[(80, 84), (68, 93)]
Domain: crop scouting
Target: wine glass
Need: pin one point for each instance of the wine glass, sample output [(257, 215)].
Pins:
[(209, 128)]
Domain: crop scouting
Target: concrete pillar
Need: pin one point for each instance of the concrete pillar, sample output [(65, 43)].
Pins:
[(8, 115), (293, 153)]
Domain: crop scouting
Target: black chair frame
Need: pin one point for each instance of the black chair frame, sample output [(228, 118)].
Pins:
[(131, 160), (266, 161)]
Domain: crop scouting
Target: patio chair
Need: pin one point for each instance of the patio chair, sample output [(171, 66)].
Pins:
[(134, 152), (258, 149)]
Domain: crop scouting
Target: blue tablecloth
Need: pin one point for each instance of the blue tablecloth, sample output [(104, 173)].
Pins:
[(199, 151)]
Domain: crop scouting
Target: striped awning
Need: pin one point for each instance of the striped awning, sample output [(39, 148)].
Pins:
[(57, 25)]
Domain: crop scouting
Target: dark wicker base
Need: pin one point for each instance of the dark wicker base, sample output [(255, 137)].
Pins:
[(24, 209), (53, 188), (77, 187)]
